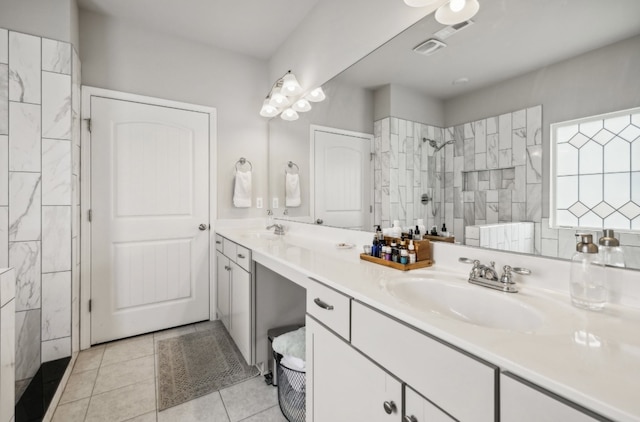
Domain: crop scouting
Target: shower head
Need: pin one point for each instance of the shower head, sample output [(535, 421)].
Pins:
[(434, 144)]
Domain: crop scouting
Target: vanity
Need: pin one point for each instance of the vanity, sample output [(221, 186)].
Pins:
[(426, 345)]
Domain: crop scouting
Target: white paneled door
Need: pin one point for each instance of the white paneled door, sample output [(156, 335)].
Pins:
[(150, 218), (343, 180)]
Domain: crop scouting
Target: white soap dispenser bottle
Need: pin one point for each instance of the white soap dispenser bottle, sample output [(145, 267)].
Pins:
[(610, 251), (588, 284)]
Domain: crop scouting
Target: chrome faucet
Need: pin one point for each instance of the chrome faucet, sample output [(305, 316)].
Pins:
[(278, 228), (487, 276)]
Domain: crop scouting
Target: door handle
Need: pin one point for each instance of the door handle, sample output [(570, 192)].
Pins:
[(202, 227)]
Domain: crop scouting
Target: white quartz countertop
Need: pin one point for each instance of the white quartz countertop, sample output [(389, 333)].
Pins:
[(591, 358)]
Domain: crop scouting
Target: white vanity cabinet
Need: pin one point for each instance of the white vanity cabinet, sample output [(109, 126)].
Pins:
[(234, 301), (343, 385), (521, 401), (419, 409)]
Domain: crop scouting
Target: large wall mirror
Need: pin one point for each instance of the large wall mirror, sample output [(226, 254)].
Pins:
[(461, 136)]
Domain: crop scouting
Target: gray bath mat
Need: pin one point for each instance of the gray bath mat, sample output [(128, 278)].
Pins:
[(199, 363)]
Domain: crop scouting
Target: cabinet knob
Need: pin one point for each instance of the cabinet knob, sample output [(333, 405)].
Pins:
[(202, 227), (241, 256), (410, 419), (390, 407), (322, 304)]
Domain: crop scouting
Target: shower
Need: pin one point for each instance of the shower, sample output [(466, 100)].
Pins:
[(434, 144)]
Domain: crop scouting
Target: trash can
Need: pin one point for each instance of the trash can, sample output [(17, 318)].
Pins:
[(271, 334), (290, 374)]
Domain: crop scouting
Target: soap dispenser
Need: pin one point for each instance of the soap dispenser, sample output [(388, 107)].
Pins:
[(610, 251), (588, 283)]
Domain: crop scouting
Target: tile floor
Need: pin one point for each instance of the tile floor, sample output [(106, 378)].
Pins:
[(117, 382)]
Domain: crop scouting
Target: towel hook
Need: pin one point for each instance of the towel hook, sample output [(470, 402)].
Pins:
[(290, 166), (242, 161)]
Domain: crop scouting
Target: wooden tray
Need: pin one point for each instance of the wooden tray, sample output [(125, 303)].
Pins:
[(423, 248), (450, 239), (397, 265)]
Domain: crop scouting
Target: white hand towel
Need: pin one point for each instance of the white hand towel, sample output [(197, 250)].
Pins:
[(242, 190), (292, 190)]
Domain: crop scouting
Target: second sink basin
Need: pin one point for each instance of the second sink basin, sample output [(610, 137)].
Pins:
[(259, 234), (472, 304)]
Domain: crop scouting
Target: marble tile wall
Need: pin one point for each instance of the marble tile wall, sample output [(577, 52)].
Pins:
[(39, 180), (493, 172), (514, 237), (7, 343), (405, 168)]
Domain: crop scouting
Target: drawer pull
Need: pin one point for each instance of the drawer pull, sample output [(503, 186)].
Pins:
[(228, 268), (390, 407), (218, 242), (410, 419), (322, 304), (241, 256)]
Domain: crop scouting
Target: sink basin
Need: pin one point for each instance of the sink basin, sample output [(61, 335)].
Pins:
[(471, 304), (266, 235)]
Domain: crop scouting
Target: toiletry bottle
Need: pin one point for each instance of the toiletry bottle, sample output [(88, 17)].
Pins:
[(379, 234), (387, 253), (444, 231), (610, 251), (404, 256), (588, 283), (422, 227), (416, 234), (434, 231), (397, 230), (412, 253), (394, 251), (374, 247)]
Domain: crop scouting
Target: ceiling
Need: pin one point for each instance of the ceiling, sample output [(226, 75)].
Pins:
[(508, 38), (252, 27)]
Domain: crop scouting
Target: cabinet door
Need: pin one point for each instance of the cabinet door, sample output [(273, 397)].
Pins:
[(520, 402), (241, 310), (223, 288), (346, 386), (418, 409)]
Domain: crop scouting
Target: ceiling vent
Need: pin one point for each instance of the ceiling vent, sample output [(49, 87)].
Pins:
[(448, 31), (429, 47)]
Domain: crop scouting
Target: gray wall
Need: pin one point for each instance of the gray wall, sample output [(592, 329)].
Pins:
[(55, 19), (597, 82), (123, 57)]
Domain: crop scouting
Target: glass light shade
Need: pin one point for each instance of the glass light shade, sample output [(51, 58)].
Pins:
[(290, 85), (316, 95), (447, 15), (289, 115), (301, 105), (279, 100), (419, 3), (268, 110)]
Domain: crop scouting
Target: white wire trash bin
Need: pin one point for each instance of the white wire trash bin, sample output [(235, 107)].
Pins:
[(290, 376)]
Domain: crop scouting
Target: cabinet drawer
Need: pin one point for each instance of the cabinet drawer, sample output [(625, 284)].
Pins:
[(331, 308), (461, 385), (219, 242), (521, 401), (243, 257), (229, 248)]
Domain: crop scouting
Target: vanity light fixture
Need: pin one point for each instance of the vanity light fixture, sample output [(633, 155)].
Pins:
[(456, 11), (287, 98)]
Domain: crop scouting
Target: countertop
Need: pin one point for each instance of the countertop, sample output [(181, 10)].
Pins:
[(590, 358)]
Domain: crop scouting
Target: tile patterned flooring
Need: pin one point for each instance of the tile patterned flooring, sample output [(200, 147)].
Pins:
[(117, 382)]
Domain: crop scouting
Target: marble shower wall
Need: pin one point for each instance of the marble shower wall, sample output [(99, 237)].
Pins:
[(493, 172), (39, 140), (405, 168)]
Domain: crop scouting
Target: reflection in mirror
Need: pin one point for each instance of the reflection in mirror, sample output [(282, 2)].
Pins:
[(462, 135)]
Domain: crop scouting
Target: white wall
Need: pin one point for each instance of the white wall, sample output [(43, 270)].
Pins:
[(398, 101), (119, 56), (56, 19)]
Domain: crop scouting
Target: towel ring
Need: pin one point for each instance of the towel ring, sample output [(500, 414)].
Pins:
[(242, 161), (290, 166)]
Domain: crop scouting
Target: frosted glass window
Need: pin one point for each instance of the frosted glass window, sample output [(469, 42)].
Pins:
[(590, 190), (617, 156), (596, 171), (591, 158), (617, 189), (567, 162), (567, 191)]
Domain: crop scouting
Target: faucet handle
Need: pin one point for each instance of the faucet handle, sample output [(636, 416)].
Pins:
[(506, 273), (521, 271)]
